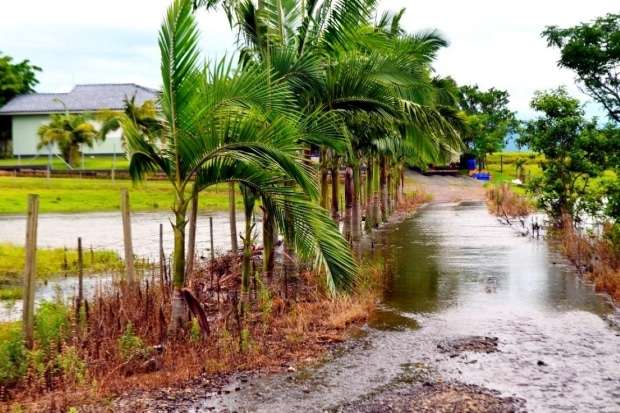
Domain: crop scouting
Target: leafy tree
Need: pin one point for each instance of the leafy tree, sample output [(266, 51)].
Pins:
[(571, 148), (488, 120), (592, 50), (15, 79), (70, 132)]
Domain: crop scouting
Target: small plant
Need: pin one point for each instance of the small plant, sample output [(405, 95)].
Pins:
[(130, 345), (71, 365), (51, 323), (195, 333), (13, 355)]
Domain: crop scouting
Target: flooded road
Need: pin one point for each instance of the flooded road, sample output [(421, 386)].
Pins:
[(455, 271)]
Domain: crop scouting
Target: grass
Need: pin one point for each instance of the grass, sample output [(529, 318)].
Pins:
[(53, 262), (90, 162), (68, 195), (503, 168)]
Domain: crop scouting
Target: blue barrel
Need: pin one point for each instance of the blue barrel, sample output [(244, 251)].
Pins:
[(471, 164)]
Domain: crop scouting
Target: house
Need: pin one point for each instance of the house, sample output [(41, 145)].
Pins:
[(28, 112)]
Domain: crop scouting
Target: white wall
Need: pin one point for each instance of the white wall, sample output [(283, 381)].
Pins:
[(25, 138)]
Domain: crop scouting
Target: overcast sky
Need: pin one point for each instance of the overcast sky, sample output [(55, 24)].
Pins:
[(492, 42)]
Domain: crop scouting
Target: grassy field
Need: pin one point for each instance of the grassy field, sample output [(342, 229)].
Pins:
[(67, 195), (503, 167), (90, 162)]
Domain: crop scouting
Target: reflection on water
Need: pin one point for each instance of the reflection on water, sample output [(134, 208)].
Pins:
[(455, 270)]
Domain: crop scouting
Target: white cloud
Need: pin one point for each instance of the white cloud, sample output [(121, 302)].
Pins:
[(492, 43)]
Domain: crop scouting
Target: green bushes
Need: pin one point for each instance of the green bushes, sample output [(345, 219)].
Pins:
[(13, 355)]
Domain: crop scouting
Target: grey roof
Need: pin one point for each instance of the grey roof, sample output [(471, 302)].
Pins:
[(83, 98)]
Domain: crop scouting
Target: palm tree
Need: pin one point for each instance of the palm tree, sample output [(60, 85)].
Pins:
[(144, 116), (70, 132), (224, 125)]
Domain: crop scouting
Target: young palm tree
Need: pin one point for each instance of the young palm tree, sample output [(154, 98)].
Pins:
[(213, 118), (70, 132)]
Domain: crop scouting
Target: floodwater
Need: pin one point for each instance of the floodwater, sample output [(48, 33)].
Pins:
[(456, 271), (105, 231)]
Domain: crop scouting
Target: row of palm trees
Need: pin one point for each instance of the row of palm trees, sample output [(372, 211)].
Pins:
[(308, 74)]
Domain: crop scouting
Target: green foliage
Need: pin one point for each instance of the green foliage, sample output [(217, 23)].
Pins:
[(13, 354), (16, 78), (573, 150), (130, 345), (70, 133), (51, 323), (489, 121), (72, 367), (592, 50)]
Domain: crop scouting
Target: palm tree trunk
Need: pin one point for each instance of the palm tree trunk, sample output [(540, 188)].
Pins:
[(248, 202), (335, 189), (390, 187), (191, 242), (376, 202), (268, 242), (348, 203), (355, 217), (232, 218), (178, 317), (383, 188), (324, 176), (369, 224)]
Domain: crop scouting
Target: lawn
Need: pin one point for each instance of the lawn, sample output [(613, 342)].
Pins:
[(68, 195), (90, 162), (502, 166)]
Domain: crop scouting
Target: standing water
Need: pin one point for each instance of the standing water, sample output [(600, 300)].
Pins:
[(455, 271)]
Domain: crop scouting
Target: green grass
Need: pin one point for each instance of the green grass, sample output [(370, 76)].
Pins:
[(502, 166), (90, 195), (54, 261), (90, 162)]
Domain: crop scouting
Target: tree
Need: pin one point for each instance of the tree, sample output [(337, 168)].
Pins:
[(70, 133), (488, 120), (144, 116), (592, 50), (571, 150), (15, 79), (221, 124)]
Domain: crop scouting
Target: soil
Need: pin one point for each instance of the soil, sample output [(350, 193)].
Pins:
[(477, 344), (438, 398)]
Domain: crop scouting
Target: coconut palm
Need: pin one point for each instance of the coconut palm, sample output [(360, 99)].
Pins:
[(70, 133), (213, 118)]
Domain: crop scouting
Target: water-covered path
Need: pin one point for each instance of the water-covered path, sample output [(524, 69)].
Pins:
[(455, 271)]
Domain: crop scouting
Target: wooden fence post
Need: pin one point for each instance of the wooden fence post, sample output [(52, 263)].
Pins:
[(80, 273), (126, 213), (211, 235), (30, 268)]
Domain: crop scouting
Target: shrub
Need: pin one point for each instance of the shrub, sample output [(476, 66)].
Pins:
[(13, 355), (130, 345), (71, 365), (51, 323)]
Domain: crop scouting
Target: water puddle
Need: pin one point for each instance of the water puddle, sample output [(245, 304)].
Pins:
[(456, 272)]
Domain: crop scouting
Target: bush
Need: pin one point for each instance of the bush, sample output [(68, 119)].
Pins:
[(130, 345), (13, 355), (51, 323)]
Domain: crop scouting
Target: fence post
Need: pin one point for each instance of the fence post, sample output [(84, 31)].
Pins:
[(129, 264), (162, 261), (30, 268), (501, 164), (211, 236), (80, 273)]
